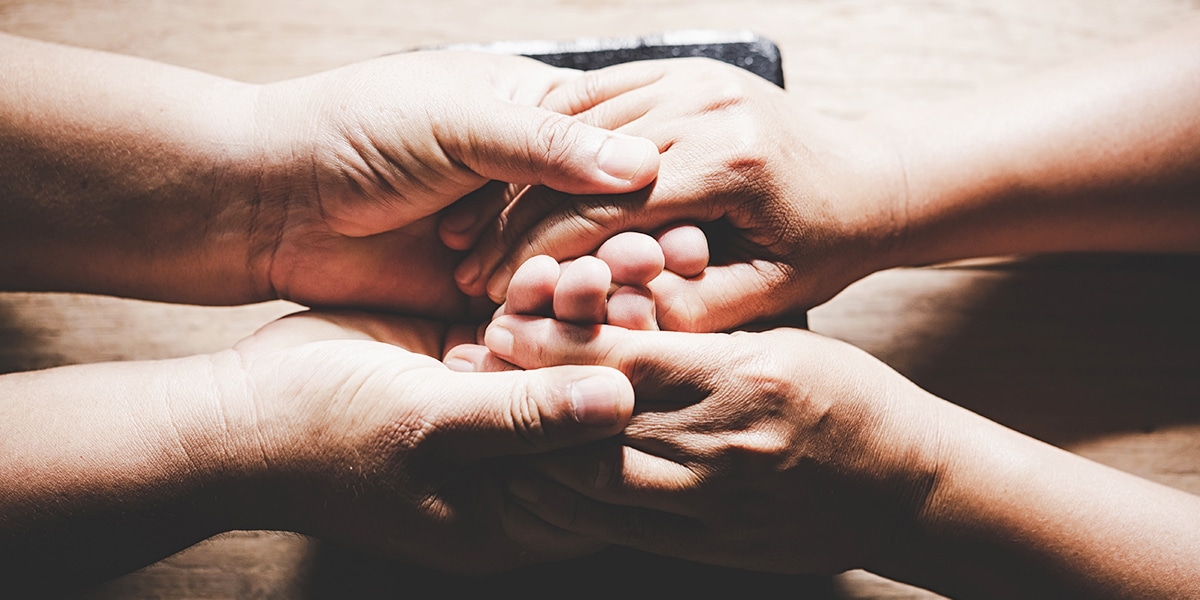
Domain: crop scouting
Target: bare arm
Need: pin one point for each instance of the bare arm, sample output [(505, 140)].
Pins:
[(129, 177), (105, 468), (339, 426), (787, 452), (118, 175), (1101, 156)]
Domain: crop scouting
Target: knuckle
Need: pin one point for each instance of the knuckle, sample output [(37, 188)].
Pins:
[(555, 138), (592, 216), (525, 414)]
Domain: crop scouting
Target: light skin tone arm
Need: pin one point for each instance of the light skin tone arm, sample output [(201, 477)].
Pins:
[(1098, 156), (340, 425), (128, 177)]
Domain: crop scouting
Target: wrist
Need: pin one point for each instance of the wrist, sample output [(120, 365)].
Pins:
[(250, 449)]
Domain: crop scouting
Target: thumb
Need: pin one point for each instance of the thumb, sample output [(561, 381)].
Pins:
[(530, 145), (489, 415)]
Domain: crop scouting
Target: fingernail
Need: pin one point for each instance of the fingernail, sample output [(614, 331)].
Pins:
[(524, 489), (623, 157), (499, 340), (469, 270), (459, 364), (458, 222), (498, 285), (596, 400)]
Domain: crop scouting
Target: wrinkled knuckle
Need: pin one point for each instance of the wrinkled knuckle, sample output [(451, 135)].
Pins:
[(557, 136), (590, 217), (525, 414), (592, 92)]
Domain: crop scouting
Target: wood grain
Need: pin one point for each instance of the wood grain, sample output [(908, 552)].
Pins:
[(1096, 354)]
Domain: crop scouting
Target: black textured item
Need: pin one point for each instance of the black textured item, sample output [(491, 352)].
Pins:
[(746, 50)]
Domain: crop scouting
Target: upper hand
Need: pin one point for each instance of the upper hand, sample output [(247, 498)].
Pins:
[(796, 205), (358, 160)]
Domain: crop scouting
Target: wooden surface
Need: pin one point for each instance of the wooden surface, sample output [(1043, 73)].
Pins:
[(1095, 354)]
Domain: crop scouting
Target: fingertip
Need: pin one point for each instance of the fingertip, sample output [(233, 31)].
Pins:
[(631, 162), (685, 250), (467, 276), (497, 284), (602, 399), (634, 258), (455, 240), (531, 289), (582, 291)]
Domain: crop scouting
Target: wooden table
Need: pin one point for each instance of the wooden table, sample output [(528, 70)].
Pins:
[(1095, 354)]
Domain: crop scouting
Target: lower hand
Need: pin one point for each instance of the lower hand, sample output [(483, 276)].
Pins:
[(364, 437), (781, 451)]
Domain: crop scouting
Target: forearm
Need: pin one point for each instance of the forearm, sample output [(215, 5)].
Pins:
[(124, 176), (1013, 517), (108, 467), (1102, 156)]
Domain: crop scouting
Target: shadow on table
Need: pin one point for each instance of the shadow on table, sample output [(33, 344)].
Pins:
[(616, 574), (1067, 348)]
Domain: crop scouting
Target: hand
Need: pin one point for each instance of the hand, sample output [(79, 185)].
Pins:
[(362, 157), (610, 287), (753, 450), (368, 440), (795, 205), (139, 179), (781, 451)]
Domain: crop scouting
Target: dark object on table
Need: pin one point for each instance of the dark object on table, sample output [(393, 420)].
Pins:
[(742, 49)]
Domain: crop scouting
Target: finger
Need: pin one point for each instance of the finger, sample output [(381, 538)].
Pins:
[(473, 358), (632, 307), (531, 291), (719, 299), (534, 342), (582, 291), (530, 145), (593, 88), (474, 416), (685, 249), (579, 227), (540, 540), (463, 221), (633, 258), (642, 529), (624, 475), (498, 233)]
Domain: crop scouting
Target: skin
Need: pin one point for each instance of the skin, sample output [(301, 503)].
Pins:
[(344, 426), (128, 177), (788, 452), (1098, 156)]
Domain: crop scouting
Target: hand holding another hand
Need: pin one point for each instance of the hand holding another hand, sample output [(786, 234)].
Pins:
[(361, 435), (358, 161), (795, 205)]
